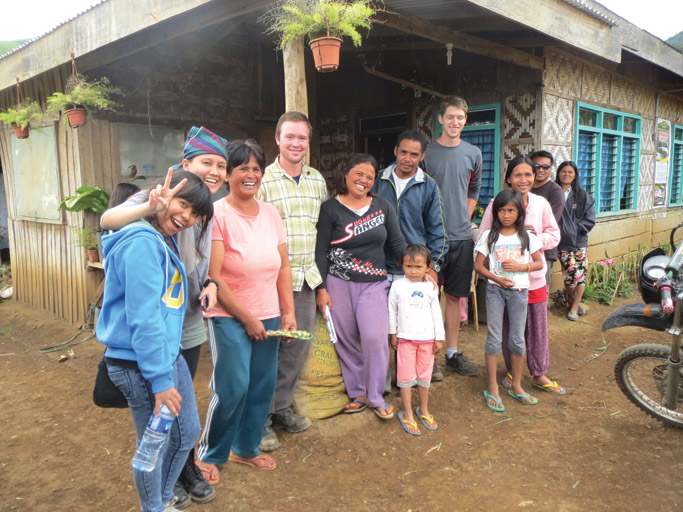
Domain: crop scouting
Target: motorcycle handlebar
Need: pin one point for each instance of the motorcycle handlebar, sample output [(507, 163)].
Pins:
[(676, 260)]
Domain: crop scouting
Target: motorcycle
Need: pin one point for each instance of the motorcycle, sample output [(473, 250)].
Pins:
[(650, 375)]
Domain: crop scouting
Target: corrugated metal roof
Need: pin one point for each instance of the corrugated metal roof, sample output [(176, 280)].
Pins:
[(435, 10), (21, 47)]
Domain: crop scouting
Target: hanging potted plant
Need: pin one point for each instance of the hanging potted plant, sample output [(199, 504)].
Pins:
[(323, 23), (21, 116), (87, 238), (82, 96)]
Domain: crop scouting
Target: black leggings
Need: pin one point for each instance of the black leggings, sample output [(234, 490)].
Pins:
[(191, 356)]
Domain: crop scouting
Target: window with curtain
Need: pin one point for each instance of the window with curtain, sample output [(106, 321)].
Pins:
[(676, 192), (485, 141), (608, 149)]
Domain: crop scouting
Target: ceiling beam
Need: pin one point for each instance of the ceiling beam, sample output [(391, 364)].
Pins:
[(439, 33), (405, 83)]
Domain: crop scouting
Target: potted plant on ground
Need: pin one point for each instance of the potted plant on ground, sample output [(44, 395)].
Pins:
[(323, 23), (92, 198), (21, 116), (87, 238), (81, 96)]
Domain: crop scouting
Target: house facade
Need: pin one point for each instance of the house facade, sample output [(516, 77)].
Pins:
[(568, 76)]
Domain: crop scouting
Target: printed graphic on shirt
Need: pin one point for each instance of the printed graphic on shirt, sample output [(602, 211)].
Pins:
[(175, 294), (358, 227), (504, 252), (343, 262)]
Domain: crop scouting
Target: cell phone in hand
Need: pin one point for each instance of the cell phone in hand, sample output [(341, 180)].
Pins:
[(204, 302)]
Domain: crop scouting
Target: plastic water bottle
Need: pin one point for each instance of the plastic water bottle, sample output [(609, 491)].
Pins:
[(154, 439)]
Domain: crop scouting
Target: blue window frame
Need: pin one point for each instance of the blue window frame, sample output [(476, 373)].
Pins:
[(483, 131), (607, 155), (676, 179)]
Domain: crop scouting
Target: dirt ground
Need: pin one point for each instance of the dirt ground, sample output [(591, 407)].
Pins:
[(589, 450)]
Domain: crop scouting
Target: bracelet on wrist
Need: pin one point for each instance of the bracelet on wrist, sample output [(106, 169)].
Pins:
[(208, 282)]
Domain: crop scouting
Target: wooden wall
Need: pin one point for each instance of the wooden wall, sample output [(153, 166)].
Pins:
[(49, 271), (219, 78)]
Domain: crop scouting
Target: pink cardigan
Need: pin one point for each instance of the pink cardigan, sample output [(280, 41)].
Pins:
[(540, 215)]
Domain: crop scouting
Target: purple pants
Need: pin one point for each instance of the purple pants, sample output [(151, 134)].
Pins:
[(361, 318), (536, 338)]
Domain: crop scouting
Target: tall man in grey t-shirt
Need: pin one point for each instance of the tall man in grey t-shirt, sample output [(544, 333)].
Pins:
[(456, 167)]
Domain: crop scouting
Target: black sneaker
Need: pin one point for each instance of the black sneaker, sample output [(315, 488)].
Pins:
[(269, 441), (180, 498), (192, 480), (437, 374), (460, 364), (290, 422)]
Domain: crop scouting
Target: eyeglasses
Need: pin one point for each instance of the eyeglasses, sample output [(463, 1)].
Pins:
[(545, 167)]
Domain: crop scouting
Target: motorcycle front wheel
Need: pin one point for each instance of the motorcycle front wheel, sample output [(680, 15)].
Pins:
[(641, 372)]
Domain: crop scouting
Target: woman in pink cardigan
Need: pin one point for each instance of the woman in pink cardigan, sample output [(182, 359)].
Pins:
[(540, 221)]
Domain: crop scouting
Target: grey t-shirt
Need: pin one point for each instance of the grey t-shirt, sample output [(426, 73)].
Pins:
[(196, 268), (457, 170)]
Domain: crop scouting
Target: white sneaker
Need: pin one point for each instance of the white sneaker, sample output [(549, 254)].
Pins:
[(170, 508)]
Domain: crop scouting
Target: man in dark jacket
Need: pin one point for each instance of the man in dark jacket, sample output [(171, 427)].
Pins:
[(417, 200), (552, 192)]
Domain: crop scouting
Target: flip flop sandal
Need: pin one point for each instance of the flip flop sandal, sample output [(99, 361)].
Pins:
[(505, 383), (405, 424), (526, 399), (553, 389), (499, 407), (354, 410), (259, 462), (384, 407), (209, 471), (427, 421)]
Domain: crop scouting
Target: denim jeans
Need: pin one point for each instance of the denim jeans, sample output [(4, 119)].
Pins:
[(498, 300), (155, 489)]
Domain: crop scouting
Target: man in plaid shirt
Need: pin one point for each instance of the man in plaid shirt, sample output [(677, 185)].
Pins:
[(297, 191)]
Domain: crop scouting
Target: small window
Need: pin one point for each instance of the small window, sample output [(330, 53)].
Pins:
[(588, 117), (610, 122), (678, 134), (481, 117), (630, 125)]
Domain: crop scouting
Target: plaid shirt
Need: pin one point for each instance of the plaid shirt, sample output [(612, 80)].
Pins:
[(299, 207)]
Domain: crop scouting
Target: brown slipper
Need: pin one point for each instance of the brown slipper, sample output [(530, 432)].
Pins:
[(209, 471), (259, 462)]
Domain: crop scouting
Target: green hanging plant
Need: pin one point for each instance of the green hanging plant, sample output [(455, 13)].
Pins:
[(84, 93), (22, 114), (318, 18)]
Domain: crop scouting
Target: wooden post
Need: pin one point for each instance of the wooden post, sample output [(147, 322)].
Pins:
[(296, 94)]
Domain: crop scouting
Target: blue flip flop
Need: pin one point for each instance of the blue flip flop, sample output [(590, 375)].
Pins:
[(405, 424), (499, 407), (427, 421), (384, 407), (505, 384), (361, 408), (521, 398)]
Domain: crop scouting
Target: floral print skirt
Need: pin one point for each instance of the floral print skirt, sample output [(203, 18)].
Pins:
[(574, 266)]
